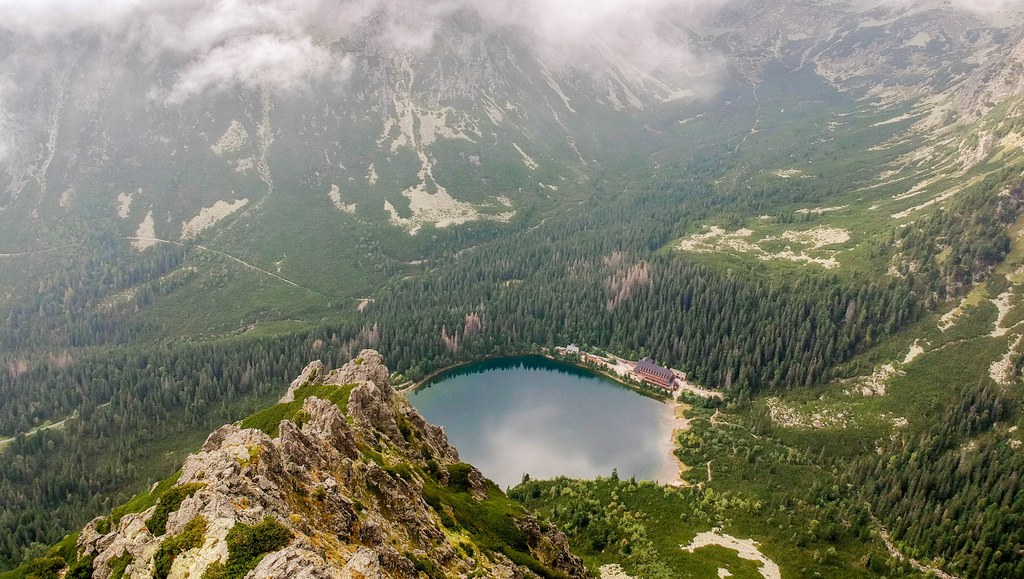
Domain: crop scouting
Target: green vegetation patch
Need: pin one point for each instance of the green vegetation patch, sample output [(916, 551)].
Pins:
[(641, 526), (143, 501), (269, 419), (46, 566), (458, 477), (168, 503), (120, 564), (190, 537), (490, 522), (81, 569), (247, 544), (336, 394)]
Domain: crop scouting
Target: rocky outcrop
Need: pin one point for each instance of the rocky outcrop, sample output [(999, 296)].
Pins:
[(357, 490), (551, 547), (368, 367)]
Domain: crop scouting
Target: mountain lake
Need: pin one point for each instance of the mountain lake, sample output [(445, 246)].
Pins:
[(533, 415)]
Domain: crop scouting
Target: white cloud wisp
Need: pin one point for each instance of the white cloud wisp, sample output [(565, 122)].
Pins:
[(284, 44)]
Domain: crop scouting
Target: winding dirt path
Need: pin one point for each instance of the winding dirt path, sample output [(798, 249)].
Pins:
[(34, 252), (4, 442), (60, 424), (232, 258)]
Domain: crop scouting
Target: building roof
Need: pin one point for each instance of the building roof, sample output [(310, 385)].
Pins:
[(647, 366)]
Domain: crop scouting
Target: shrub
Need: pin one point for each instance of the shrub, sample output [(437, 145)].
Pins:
[(120, 564), (45, 568), (425, 566), (216, 570), (81, 568), (458, 477), (103, 526), (170, 502), (246, 546), (189, 538)]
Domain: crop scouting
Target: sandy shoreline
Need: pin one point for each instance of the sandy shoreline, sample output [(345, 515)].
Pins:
[(676, 422)]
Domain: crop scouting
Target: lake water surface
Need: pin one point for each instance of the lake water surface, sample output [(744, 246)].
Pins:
[(532, 415)]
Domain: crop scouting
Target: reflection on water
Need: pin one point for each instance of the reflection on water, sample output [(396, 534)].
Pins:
[(533, 415)]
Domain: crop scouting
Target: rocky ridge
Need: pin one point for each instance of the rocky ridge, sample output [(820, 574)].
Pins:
[(355, 484)]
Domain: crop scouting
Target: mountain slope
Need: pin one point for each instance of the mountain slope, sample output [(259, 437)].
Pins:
[(350, 482), (382, 148)]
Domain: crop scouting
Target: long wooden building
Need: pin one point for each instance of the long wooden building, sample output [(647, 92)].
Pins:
[(650, 372)]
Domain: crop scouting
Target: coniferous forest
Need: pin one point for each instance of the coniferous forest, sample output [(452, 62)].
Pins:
[(589, 276)]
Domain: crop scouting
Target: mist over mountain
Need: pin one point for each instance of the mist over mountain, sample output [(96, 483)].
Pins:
[(358, 76), (347, 68)]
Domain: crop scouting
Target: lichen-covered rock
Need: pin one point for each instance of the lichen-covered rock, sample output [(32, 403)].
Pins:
[(477, 483), (326, 423), (130, 536), (193, 562), (294, 564), (431, 436), (368, 367), (341, 491), (309, 375), (551, 547), (365, 563), (371, 405)]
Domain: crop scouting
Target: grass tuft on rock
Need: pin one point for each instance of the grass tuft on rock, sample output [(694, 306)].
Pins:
[(247, 544), (190, 537), (168, 503)]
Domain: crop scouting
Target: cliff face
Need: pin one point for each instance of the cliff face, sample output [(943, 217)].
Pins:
[(354, 484)]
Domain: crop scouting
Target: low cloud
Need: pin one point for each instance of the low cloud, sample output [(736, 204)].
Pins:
[(649, 32), (987, 6), (255, 62), (4, 128), (45, 19), (284, 44), (405, 25), (223, 43)]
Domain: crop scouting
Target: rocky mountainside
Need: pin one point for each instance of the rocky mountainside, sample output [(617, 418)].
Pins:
[(372, 127), (469, 119), (350, 482), (953, 62)]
